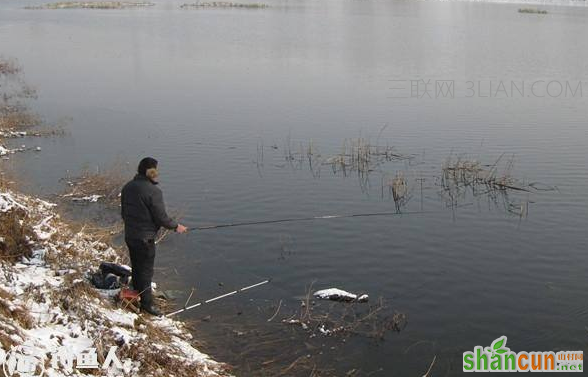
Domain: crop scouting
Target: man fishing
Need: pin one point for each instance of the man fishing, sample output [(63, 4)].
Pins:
[(143, 212)]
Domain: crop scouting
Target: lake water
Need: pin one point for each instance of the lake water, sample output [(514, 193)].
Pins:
[(204, 91)]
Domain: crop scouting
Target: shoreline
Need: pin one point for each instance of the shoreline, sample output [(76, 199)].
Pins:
[(48, 306), (51, 316)]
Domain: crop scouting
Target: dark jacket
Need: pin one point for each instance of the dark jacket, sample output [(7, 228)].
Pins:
[(143, 210)]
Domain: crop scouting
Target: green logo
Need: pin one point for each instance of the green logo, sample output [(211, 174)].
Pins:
[(499, 358)]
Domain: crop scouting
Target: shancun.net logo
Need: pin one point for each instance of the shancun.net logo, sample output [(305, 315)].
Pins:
[(499, 358)]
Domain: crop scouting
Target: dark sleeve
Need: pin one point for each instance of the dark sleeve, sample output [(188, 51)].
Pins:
[(158, 212), (122, 203)]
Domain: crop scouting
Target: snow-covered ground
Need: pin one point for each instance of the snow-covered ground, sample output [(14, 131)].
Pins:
[(50, 314)]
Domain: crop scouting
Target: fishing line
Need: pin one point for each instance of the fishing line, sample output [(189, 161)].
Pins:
[(296, 219)]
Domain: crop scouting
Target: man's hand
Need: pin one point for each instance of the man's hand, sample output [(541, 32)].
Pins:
[(181, 229)]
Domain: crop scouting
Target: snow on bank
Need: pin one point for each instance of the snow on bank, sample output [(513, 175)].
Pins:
[(10, 134), (4, 151), (47, 305)]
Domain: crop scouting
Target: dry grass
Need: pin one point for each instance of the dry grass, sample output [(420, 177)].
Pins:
[(15, 233), (462, 176), (103, 183), (75, 293), (93, 5), (11, 318), (101, 236), (359, 157), (18, 314), (154, 362), (17, 119), (158, 364), (467, 172), (397, 189)]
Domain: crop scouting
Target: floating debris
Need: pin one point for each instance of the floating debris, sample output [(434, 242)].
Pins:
[(92, 5), (224, 4), (89, 199), (371, 321), (335, 294)]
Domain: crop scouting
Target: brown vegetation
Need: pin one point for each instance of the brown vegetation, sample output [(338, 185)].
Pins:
[(104, 184), (462, 176), (14, 235), (397, 189)]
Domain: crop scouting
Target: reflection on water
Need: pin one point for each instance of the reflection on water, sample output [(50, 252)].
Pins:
[(248, 111)]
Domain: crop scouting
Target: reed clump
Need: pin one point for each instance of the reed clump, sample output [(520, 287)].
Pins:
[(224, 4), (470, 172), (15, 235), (462, 176), (357, 156), (101, 184), (532, 11), (396, 188), (360, 155)]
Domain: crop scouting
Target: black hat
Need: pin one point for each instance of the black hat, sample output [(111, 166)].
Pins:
[(146, 164)]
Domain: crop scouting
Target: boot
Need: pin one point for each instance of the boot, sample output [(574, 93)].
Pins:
[(151, 310)]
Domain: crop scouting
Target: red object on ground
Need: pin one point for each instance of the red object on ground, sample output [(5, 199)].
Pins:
[(128, 295)]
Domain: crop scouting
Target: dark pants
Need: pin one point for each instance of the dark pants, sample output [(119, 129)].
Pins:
[(142, 253)]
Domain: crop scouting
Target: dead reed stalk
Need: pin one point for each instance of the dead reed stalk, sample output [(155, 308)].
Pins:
[(100, 184)]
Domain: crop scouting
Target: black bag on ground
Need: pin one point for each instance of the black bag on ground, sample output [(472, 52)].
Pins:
[(110, 276), (116, 269)]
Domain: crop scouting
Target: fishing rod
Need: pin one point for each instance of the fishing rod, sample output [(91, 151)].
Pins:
[(324, 217), (218, 297)]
